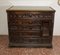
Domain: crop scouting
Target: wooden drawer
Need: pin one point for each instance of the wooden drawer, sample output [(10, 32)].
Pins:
[(23, 14), (31, 15), (23, 21), (32, 40), (25, 27), (17, 39), (25, 33), (30, 27)]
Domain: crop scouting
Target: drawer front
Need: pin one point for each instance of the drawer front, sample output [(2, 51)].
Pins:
[(23, 21), (30, 27), (22, 27), (17, 39), (23, 15), (31, 15), (32, 40), (25, 34), (31, 34)]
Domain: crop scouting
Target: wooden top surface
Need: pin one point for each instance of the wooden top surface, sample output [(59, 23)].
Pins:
[(30, 8)]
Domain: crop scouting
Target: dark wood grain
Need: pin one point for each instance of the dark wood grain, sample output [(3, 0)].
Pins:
[(30, 28)]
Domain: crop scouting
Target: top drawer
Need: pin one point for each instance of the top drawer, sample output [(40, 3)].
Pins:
[(30, 15)]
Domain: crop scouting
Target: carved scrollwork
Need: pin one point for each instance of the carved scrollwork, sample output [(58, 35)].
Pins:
[(27, 15), (31, 16)]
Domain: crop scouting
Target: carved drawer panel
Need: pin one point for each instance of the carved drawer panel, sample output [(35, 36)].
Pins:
[(31, 33), (25, 40), (25, 27), (29, 27), (24, 21), (25, 33), (23, 14), (32, 40), (31, 15)]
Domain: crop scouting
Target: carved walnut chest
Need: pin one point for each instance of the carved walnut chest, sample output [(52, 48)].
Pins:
[(30, 26)]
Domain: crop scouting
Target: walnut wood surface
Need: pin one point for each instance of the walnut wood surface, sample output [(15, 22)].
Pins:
[(30, 27)]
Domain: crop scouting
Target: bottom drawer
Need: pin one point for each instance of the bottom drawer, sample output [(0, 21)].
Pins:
[(32, 40), (18, 39)]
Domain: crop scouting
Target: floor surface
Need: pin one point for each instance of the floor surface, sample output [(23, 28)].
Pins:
[(5, 50)]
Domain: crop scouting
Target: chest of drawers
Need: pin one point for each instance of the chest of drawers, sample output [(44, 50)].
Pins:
[(30, 26)]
